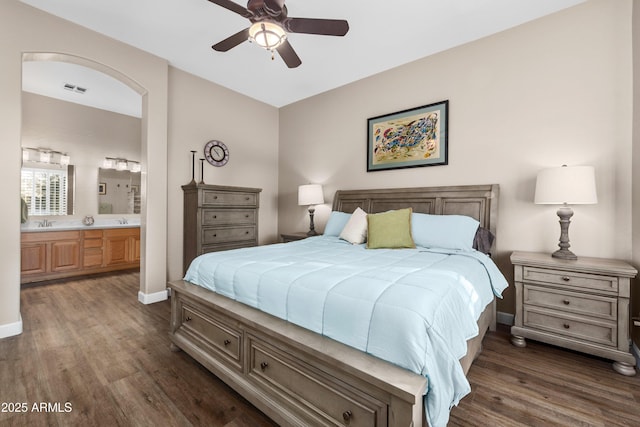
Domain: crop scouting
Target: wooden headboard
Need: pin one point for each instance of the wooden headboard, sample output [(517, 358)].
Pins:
[(477, 201)]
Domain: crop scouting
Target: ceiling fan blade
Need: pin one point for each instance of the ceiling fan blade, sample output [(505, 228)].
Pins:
[(288, 55), (231, 41), (325, 27), (233, 7)]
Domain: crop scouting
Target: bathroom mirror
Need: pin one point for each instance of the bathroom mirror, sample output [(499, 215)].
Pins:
[(118, 191), (47, 189)]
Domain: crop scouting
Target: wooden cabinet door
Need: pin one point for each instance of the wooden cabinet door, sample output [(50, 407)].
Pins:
[(135, 249), (65, 255), (33, 258), (117, 250)]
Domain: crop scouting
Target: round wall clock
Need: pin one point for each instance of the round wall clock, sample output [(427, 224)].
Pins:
[(216, 153)]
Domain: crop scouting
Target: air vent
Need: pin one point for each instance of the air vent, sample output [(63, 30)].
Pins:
[(74, 88)]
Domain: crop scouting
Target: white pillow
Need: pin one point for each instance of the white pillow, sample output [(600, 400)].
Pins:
[(356, 229)]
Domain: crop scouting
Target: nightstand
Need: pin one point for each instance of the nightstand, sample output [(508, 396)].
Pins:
[(581, 305), (292, 237)]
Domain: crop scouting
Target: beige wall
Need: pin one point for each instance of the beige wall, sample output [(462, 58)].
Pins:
[(551, 92), (200, 111), (87, 134)]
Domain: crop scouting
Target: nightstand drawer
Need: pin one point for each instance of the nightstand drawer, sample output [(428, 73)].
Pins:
[(572, 326), (581, 281), (572, 302)]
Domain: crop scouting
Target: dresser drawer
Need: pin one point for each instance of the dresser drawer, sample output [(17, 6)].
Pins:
[(573, 326), (227, 246), (228, 198), (223, 338), (228, 216), (572, 302), (333, 402), (581, 281), (230, 234)]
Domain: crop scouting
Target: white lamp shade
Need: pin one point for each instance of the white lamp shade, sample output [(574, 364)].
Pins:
[(573, 185), (310, 194)]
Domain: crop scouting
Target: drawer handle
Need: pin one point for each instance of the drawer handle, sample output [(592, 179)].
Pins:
[(215, 197), (215, 216), (566, 302), (263, 366), (247, 198), (215, 235), (346, 416), (227, 342), (566, 278), (246, 216), (566, 326), (187, 319), (246, 232)]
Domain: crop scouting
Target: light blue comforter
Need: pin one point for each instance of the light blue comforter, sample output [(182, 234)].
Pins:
[(415, 308)]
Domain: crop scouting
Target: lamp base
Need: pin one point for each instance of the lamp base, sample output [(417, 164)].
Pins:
[(564, 213), (312, 228), (564, 254)]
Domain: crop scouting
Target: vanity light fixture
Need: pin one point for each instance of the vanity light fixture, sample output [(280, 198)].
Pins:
[(121, 164), (135, 167), (45, 155)]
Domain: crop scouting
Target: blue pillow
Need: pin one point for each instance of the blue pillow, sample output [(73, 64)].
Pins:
[(444, 231), (335, 224)]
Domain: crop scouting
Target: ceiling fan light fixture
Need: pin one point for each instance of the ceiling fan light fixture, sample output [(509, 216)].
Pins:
[(268, 35)]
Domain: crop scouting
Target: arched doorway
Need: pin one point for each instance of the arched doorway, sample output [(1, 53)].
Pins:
[(141, 99)]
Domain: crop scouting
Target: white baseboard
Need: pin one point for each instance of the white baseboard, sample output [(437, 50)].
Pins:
[(11, 329), (151, 298), (504, 318)]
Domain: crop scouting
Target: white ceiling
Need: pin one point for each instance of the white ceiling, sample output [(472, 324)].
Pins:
[(382, 35)]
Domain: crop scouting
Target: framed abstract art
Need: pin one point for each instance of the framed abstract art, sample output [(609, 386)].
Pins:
[(409, 138)]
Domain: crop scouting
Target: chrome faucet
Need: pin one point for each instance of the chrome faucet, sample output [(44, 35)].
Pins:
[(45, 223), (123, 221)]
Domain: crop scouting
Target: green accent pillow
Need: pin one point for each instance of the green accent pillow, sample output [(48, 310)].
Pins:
[(391, 230)]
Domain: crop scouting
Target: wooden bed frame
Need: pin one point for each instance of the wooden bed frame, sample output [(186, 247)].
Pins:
[(300, 378)]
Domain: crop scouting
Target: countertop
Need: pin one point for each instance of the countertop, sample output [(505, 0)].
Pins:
[(32, 226)]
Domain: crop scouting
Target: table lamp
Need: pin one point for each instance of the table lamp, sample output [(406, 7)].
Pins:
[(566, 185), (310, 195)]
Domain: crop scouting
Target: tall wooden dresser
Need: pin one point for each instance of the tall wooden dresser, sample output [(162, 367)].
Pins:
[(217, 218)]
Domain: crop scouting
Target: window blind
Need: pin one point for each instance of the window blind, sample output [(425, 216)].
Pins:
[(44, 191)]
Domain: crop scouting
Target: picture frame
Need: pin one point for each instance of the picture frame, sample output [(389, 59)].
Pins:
[(102, 188), (409, 138)]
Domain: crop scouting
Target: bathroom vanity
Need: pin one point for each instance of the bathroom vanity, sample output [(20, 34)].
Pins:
[(74, 250)]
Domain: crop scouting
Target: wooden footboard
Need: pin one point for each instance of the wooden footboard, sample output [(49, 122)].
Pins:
[(295, 376)]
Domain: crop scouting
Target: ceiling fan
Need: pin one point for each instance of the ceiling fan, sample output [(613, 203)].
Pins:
[(270, 25)]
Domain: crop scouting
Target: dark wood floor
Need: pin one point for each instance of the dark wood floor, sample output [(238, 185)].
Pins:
[(90, 349)]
